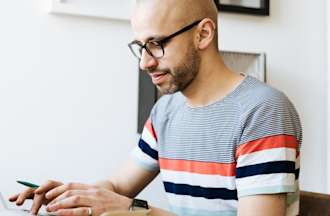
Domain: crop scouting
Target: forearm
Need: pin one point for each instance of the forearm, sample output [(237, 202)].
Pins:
[(129, 181), (127, 203), (108, 185), (261, 205), (160, 212), (122, 189)]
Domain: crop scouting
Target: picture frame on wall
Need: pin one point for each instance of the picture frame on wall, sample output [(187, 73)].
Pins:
[(253, 7), (104, 9)]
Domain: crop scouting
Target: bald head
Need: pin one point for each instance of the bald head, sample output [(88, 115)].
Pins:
[(169, 15), (180, 11)]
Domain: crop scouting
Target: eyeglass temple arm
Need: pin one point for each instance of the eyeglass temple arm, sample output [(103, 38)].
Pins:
[(180, 31)]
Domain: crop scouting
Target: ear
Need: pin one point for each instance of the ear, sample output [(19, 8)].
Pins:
[(205, 33)]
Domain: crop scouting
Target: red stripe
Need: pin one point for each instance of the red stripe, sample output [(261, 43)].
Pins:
[(271, 142), (209, 168), (150, 128)]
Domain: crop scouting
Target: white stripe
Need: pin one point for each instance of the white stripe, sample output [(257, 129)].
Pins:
[(276, 154), (265, 180), (148, 138), (203, 180), (201, 203), (144, 158)]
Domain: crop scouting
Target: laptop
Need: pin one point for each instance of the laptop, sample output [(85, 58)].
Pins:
[(6, 211)]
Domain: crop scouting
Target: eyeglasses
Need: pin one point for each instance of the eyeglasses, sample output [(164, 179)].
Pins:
[(155, 48)]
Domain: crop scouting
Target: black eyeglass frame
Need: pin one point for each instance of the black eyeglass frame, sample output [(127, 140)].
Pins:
[(161, 42)]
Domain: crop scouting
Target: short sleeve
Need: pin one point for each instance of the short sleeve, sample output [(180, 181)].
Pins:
[(267, 155), (145, 153)]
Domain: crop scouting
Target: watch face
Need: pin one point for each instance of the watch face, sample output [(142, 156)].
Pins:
[(139, 204)]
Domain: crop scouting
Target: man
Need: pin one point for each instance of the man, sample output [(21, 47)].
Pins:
[(224, 143)]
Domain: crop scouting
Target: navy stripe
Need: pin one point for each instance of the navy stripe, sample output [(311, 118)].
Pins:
[(197, 191), (147, 149), (296, 173), (266, 168)]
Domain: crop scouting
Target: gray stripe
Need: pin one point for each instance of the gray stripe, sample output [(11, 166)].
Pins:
[(212, 133)]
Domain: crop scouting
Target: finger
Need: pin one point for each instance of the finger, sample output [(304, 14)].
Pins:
[(47, 186), (71, 202), (38, 200), (52, 194), (13, 198), (73, 212), (27, 194), (68, 194)]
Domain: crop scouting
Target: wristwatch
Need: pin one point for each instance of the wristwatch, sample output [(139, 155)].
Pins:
[(138, 204)]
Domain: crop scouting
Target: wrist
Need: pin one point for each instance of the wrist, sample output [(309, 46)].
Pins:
[(127, 203), (138, 204)]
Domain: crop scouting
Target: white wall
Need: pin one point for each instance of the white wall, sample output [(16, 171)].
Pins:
[(68, 92), (68, 88), (294, 39), (328, 92)]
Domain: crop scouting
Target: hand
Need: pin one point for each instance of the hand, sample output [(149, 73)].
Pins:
[(38, 195), (74, 199)]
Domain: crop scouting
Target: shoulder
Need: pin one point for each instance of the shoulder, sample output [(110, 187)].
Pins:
[(256, 94), (267, 111)]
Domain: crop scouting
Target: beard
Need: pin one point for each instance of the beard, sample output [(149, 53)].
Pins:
[(183, 75)]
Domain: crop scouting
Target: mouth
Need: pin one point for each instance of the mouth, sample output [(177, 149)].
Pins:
[(158, 77)]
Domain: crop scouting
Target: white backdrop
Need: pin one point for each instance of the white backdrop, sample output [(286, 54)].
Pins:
[(68, 89), (328, 93), (294, 40)]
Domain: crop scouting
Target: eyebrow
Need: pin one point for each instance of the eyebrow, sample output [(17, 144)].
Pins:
[(156, 38), (152, 38)]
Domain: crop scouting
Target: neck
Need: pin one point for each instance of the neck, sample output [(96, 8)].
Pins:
[(212, 83)]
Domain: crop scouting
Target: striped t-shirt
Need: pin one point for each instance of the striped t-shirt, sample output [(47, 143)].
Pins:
[(208, 157)]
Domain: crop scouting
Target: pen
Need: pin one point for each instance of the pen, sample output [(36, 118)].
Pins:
[(28, 184)]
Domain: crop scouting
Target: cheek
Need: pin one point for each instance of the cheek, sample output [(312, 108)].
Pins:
[(175, 53), (171, 62), (167, 63)]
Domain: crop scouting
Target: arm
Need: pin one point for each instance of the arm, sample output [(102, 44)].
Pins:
[(160, 212), (129, 181), (262, 205), (110, 195), (267, 158)]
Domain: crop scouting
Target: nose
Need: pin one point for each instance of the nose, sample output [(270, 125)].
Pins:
[(147, 62)]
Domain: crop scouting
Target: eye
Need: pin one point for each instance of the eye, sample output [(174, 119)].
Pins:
[(154, 44), (155, 49)]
